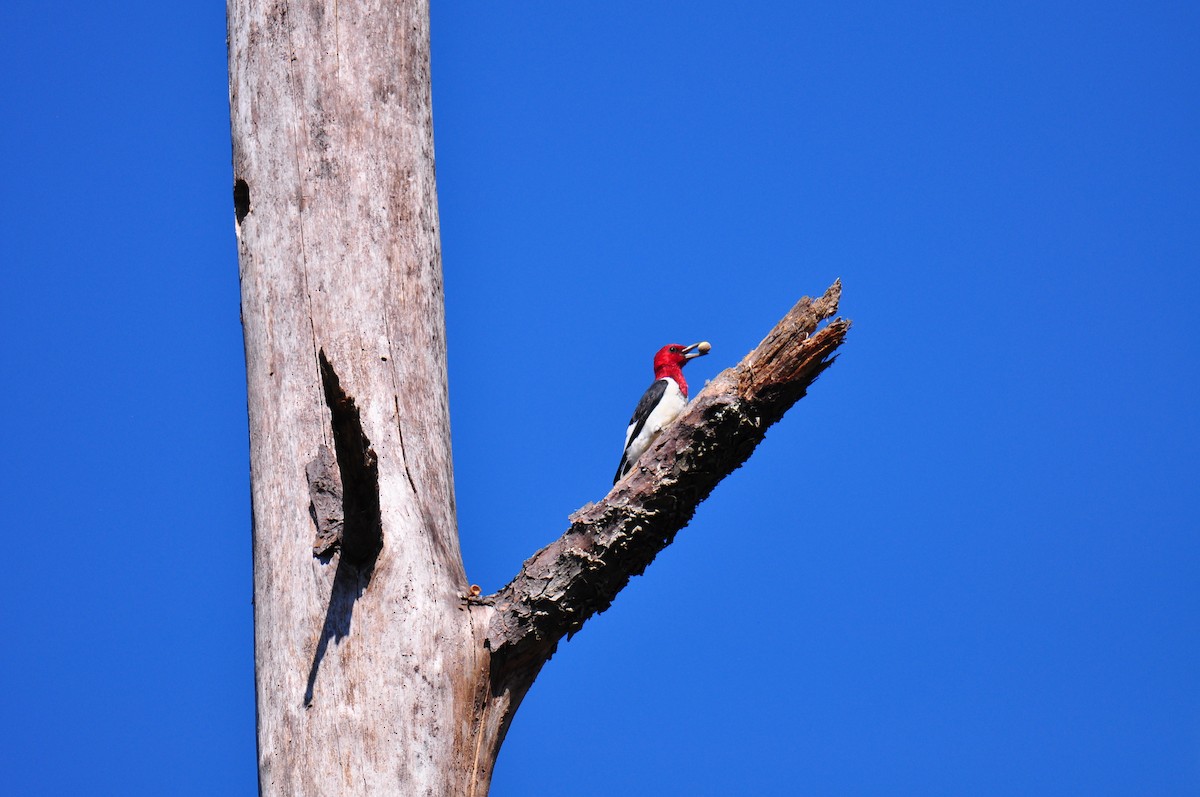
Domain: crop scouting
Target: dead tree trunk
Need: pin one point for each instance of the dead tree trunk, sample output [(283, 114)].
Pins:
[(377, 672)]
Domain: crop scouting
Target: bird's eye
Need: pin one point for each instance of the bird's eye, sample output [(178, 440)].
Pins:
[(675, 349)]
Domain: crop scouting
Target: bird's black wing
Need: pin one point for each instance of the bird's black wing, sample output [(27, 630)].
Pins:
[(645, 406)]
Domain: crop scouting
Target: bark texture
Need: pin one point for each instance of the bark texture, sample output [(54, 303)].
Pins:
[(365, 662), (579, 574), (378, 669)]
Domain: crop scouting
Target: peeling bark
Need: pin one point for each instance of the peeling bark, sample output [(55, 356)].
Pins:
[(325, 502)]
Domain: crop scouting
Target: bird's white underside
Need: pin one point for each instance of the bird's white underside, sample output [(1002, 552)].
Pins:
[(668, 409)]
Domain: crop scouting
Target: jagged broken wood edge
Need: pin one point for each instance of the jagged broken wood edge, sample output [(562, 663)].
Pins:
[(579, 574)]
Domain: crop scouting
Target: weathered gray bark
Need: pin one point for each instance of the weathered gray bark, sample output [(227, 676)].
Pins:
[(377, 671), (365, 675)]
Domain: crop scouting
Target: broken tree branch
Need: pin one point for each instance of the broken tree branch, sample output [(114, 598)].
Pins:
[(579, 574)]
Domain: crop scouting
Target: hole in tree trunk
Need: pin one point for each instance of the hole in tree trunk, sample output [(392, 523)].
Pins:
[(358, 466), (241, 199)]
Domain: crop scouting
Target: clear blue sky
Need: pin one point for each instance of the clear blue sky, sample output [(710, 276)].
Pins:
[(968, 563)]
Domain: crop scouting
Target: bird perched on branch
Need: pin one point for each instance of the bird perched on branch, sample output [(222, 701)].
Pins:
[(661, 403)]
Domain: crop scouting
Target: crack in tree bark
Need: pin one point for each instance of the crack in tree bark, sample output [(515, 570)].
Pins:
[(403, 450), (358, 466), (356, 527)]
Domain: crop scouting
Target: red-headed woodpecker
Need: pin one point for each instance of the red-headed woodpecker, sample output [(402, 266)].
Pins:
[(661, 403)]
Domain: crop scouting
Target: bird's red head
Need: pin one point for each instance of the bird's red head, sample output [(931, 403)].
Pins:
[(670, 359)]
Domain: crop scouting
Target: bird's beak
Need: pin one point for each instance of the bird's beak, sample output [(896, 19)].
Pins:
[(696, 349)]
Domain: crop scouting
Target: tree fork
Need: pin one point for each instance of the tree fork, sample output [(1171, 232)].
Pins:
[(376, 670), (580, 573)]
